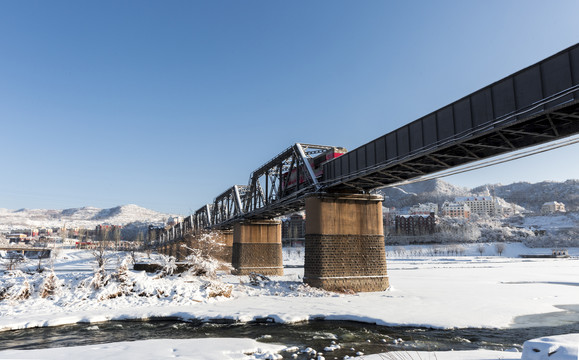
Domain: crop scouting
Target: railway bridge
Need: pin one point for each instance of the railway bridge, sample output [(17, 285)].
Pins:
[(344, 234)]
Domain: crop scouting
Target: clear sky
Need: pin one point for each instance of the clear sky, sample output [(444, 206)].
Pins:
[(165, 104)]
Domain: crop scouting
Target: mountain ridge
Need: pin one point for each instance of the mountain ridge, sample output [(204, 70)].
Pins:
[(86, 217), (531, 196)]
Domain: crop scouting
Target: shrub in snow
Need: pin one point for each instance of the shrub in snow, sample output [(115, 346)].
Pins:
[(200, 264), (217, 288), (121, 285), (122, 273), (169, 266), (20, 291), (205, 255), (49, 285), (100, 278), (256, 279)]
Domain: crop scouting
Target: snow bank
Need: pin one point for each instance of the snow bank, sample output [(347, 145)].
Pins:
[(433, 291), (430, 291), (563, 347), (446, 355), (207, 349)]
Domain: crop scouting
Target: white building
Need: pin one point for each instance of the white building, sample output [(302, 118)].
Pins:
[(455, 209), (552, 207), (478, 204), (424, 209)]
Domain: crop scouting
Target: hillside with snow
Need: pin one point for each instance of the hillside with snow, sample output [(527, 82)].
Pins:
[(533, 196), (85, 217), (527, 195), (434, 191)]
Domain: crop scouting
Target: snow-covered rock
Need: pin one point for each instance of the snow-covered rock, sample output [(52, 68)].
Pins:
[(560, 347)]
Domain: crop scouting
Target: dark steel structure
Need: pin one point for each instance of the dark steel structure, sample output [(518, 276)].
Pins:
[(536, 105), (533, 106)]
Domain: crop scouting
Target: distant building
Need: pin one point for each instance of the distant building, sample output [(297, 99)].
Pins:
[(389, 215), (415, 225), (107, 232), (552, 207), (481, 205), (293, 230), (16, 238), (424, 209), (455, 209)]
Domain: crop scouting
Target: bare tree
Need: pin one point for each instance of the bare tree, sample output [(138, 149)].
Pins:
[(481, 249), (12, 259), (149, 242), (117, 236), (500, 248), (81, 235), (99, 251)]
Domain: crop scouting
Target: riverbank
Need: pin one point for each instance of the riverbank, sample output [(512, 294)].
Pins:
[(428, 291)]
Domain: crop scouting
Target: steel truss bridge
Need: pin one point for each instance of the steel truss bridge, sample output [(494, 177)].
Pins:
[(536, 105)]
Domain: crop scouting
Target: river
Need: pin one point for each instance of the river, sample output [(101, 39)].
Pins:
[(352, 337)]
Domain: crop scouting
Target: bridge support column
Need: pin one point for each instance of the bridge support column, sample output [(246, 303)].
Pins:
[(181, 252), (225, 252), (345, 243), (257, 248), (173, 250)]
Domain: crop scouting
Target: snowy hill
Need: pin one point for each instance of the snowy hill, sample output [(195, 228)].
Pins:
[(86, 217), (529, 196), (435, 191), (533, 196)]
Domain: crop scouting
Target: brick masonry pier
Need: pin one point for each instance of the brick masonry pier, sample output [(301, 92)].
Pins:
[(225, 252), (345, 243), (257, 248)]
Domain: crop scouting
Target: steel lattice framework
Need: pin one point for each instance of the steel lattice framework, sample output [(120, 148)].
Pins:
[(537, 105)]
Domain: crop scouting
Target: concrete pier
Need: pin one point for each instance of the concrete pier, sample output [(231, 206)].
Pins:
[(345, 243), (257, 247)]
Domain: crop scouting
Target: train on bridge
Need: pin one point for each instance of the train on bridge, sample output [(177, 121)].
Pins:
[(537, 105), (290, 177)]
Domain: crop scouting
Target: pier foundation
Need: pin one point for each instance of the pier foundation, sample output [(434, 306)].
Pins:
[(257, 247), (345, 248)]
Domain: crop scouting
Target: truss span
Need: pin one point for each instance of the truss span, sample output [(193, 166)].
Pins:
[(537, 105)]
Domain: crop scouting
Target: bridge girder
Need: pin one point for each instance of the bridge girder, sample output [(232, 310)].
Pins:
[(534, 106)]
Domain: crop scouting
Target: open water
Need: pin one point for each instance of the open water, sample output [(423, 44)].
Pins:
[(352, 337)]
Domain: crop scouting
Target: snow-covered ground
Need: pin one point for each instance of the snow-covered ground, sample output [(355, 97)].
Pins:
[(551, 222), (445, 290)]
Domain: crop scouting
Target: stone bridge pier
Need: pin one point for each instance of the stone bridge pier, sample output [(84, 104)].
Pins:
[(257, 247), (345, 243)]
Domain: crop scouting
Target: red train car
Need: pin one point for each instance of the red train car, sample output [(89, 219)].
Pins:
[(317, 165)]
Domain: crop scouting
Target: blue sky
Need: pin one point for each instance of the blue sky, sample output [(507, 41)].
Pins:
[(165, 104)]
